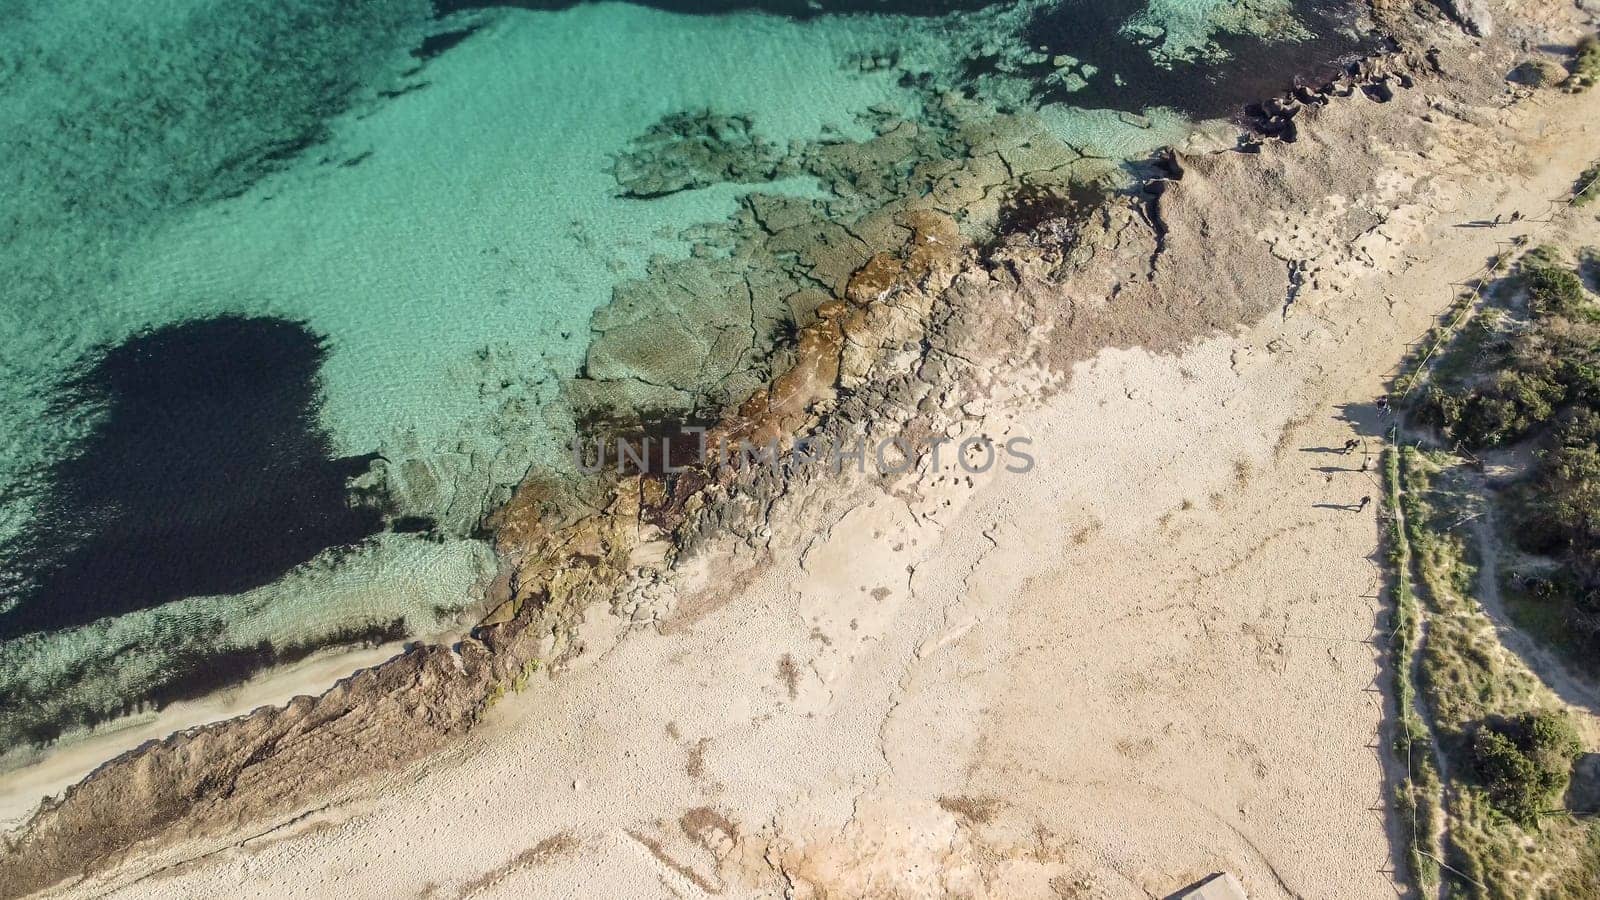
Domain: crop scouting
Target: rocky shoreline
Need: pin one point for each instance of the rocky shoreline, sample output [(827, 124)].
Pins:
[(912, 325)]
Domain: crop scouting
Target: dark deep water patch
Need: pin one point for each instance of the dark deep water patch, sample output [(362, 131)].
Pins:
[(435, 44), (1255, 68), (206, 472)]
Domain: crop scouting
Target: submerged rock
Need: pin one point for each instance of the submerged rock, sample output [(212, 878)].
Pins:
[(692, 150)]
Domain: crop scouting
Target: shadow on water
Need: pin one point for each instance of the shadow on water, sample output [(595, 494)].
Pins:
[(1129, 78), (205, 471), (1248, 67)]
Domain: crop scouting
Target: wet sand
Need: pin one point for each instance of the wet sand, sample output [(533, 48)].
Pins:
[(24, 786)]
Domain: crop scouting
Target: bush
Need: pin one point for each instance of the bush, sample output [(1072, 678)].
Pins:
[(1553, 289), (1568, 493), (1585, 66), (1508, 775), (1524, 764), (1509, 406), (1588, 186), (1550, 365), (1563, 497)]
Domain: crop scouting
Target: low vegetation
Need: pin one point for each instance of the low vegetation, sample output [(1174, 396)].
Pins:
[(1417, 796), (1532, 377), (1518, 384), (1523, 764), (1585, 67), (1587, 187), (1505, 747)]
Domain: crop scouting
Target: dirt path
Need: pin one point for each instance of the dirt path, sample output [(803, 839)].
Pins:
[(1572, 687)]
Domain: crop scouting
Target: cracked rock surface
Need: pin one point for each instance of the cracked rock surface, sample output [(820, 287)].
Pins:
[(695, 336)]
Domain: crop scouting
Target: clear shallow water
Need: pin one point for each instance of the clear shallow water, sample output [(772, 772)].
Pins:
[(293, 289)]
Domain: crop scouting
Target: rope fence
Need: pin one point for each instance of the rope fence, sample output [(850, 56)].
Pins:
[(1417, 374), (1484, 275)]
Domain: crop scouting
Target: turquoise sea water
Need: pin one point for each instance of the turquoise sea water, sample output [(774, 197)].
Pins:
[(291, 290)]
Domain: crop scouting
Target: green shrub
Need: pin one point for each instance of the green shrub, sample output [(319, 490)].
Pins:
[(1506, 408), (1524, 764), (1588, 186), (1553, 288), (1539, 378), (1568, 492), (1585, 66), (1539, 370)]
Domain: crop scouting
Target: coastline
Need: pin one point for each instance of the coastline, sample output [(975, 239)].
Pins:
[(540, 623), (24, 788)]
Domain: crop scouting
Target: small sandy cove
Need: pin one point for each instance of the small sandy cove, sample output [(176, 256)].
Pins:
[(1154, 657), (23, 787)]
